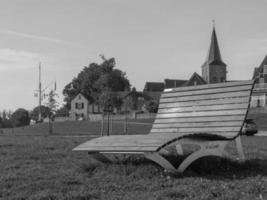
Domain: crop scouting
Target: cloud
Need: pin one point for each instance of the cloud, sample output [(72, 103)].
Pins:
[(11, 59), (41, 38)]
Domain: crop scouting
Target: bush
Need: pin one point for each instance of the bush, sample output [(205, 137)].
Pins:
[(6, 123), (152, 106), (45, 111), (20, 117)]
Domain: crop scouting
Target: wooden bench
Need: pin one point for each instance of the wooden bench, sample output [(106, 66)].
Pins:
[(208, 116)]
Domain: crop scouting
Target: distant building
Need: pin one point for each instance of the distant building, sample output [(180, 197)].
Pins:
[(195, 79), (79, 107), (154, 87), (259, 95), (214, 69), (173, 83)]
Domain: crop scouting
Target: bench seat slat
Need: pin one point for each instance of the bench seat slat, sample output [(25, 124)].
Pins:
[(207, 91), (198, 124), (195, 129), (224, 118), (203, 113), (209, 86), (204, 102), (127, 143), (226, 134), (117, 148), (206, 97), (204, 108)]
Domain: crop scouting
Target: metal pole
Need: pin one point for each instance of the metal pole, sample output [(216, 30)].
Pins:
[(111, 124), (50, 126), (125, 121), (40, 94), (108, 125), (102, 124)]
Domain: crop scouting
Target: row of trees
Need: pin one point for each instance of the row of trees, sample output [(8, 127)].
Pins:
[(22, 117)]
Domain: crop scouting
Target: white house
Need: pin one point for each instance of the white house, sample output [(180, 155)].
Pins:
[(79, 107)]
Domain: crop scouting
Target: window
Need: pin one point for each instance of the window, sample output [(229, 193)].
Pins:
[(79, 106)]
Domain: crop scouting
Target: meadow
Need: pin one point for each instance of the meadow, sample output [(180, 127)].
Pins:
[(43, 167)]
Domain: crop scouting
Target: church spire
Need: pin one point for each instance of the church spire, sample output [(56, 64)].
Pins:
[(214, 69), (214, 55)]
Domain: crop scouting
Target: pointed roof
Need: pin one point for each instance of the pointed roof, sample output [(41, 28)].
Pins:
[(214, 55), (79, 95), (255, 73), (195, 78), (258, 70), (264, 62)]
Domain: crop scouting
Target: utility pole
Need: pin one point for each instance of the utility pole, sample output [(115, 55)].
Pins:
[(40, 93)]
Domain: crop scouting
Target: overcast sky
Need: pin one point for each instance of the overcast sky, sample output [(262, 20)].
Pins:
[(150, 39)]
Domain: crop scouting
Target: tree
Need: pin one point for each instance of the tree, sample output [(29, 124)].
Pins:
[(95, 80), (1, 121), (44, 112), (7, 123), (52, 103), (20, 117), (62, 112), (132, 99)]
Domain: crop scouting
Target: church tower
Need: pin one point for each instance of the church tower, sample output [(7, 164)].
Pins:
[(214, 69)]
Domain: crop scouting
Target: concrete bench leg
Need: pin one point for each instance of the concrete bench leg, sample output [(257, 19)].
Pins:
[(179, 149), (239, 148), (211, 148), (207, 148)]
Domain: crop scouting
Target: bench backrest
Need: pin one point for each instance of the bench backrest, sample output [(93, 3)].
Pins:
[(216, 109)]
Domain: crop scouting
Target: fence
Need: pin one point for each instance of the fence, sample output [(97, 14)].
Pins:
[(98, 117)]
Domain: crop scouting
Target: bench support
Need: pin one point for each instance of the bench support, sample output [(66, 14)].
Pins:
[(207, 148), (239, 148), (210, 148)]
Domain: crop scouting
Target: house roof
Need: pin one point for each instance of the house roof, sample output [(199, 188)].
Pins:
[(264, 62), (195, 78), (171, 83), (80, 95), (154, 86), (255, 72), (214, 55), (259, 69)]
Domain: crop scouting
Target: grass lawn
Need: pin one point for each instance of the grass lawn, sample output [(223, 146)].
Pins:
[(45, 168), (82, 128)]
